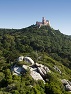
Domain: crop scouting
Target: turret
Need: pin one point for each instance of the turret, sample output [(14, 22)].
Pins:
[(43, 20)]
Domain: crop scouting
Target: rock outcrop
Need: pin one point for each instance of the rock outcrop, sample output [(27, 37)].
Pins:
[(68, 87), (64, 81), (67, 84), (42, 69), (37, 71)]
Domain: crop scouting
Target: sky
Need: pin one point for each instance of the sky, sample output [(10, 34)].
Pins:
[(19, 14)]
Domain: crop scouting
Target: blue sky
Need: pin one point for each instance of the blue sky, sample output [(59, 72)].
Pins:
[(23, 13)]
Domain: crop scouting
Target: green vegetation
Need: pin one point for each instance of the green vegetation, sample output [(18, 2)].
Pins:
[(44, 45)]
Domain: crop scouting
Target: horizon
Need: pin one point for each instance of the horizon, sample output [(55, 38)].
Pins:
[(20, 14)]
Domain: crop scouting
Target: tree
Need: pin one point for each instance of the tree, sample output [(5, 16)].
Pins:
[(8, 76)]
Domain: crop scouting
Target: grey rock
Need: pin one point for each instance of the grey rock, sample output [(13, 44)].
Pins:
[(42, 69), (28, 60), (68, 87), (57, 69), (21, 58), (64, 81)]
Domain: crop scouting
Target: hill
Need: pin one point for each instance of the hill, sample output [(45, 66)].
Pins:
[(54, 50)]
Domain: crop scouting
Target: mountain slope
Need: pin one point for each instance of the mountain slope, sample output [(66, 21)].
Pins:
[(46, 39), (44, 45)]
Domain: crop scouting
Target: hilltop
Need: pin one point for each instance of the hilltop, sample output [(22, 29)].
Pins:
[(45, 46)]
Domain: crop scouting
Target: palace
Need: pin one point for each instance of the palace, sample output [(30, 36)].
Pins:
[(43, 23)]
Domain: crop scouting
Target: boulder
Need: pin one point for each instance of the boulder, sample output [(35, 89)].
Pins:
[(57, 69), (16, 70), (28, 60), (68, 87), (39, 65), (46, 69), (36, 76), (42, 69), (21, 58), (25, 67), (64, 81), (69, 82)]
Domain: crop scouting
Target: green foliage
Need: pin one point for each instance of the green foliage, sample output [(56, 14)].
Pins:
[(15, 92), (8, 76), (2, 92), (1, 76), (44, 45), (39, 39), (2, 63)]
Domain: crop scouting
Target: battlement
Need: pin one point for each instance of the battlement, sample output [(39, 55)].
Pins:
[(43, 23)]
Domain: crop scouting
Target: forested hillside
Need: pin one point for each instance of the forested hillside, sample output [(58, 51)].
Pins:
[(51, 45)]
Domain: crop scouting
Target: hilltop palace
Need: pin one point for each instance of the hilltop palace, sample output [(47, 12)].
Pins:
[(43, 23)]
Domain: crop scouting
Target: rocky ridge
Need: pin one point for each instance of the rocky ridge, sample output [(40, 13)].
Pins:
[(38, 71)]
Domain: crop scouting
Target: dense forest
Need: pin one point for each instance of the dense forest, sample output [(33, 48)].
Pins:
[(51, 45)]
